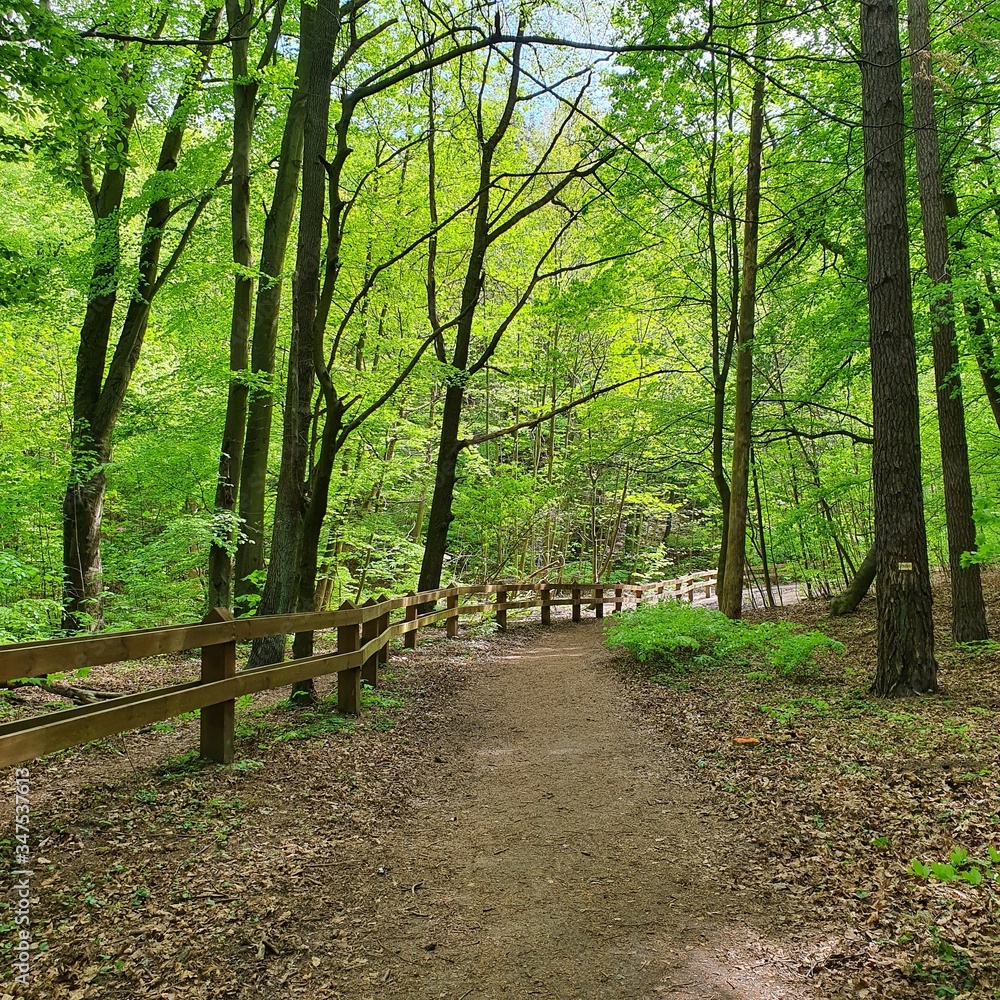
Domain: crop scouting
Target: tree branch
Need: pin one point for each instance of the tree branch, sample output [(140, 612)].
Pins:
[(535, 421)]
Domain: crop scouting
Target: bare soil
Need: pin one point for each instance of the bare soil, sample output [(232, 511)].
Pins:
[(559, 856)]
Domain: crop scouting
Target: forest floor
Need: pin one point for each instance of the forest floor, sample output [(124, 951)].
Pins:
[(530, 815)]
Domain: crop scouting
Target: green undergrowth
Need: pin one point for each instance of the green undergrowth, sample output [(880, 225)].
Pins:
[(284, 722), (677, 638)]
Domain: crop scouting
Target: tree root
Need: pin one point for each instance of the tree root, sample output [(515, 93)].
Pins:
[(79, 695)]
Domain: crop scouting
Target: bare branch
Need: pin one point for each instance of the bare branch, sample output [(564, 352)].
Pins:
[(535, 421)]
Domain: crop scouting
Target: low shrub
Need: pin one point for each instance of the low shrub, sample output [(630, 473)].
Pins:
[(686, 637), (30, 620)]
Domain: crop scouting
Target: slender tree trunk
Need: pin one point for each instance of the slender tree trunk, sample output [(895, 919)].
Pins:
[(98, 397), (721, 358), (719, 475), (284, 582), (845, 603), (760, 529), (83, 501), (440, 515), (968, 611), (220, 563), (982, 345), (906, 661), (260, 405), (731, 595)]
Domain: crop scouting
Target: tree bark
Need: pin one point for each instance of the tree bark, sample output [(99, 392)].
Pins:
[(968, 610), (906, 662), (731, 595), (845, 603), (721, 354), (260, 406), (761, 532), (284, 577), (98, 397), (220, 561), (440, 516)]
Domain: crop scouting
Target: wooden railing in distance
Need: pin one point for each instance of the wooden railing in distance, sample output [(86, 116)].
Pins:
[(363, 637)]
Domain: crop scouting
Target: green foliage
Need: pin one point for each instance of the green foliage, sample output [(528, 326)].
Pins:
[(29, 620), (684, 637), (961, 867), (786, 712)]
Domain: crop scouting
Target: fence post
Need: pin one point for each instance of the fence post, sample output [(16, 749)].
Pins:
[(502, 609), (543, 589), (348, 681), (659, 593), (218, 722), (708, 588), (383, 623), (369, 630), (409, 615), (618, 599), (599, 602), (451, 603), (575, 593)]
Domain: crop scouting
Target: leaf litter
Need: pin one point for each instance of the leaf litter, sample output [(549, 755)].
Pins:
[(280, 876)]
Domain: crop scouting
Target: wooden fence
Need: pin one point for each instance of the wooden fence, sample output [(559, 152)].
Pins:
[(363, 637)]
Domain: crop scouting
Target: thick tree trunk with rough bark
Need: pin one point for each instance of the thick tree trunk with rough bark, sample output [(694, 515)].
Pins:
[(906, 663), (968, 610)]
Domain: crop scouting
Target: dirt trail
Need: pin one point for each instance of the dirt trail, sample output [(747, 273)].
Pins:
[(557, 856)]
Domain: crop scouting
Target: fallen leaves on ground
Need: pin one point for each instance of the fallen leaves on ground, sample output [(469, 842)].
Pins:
[(844, 791)]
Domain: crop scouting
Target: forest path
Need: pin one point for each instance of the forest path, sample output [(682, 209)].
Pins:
[(556, 854)]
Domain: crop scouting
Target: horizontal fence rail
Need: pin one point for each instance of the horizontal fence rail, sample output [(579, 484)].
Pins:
[(363, 637)]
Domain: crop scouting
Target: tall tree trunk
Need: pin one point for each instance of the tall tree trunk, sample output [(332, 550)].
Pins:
[(968, 611), (260, 406), (760, 530), (440, 515), (84, 498), (220, 563), (731, 595), (906, 661), (722, 353), (98, 397), (284, 583)]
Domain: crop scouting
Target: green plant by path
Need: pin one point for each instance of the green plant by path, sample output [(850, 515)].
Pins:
[(684, 638), (961, 867)]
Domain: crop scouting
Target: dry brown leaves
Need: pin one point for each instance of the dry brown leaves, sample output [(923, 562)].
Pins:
[(157, 876), (843, 791)]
